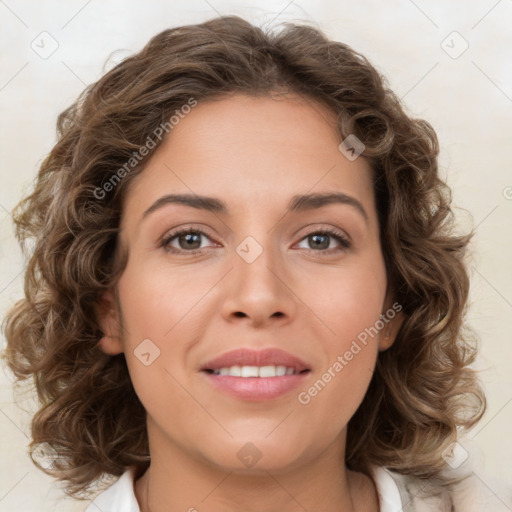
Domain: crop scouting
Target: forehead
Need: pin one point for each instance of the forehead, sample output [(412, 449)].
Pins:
[(252, 152)]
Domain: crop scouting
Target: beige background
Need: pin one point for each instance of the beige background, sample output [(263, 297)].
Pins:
[(468, 100)]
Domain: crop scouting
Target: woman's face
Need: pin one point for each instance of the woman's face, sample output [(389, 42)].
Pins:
[(256, 274)]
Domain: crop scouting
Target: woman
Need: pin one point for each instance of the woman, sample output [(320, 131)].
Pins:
[(245, 292)]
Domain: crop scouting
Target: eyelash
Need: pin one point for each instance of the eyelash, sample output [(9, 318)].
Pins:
[(337, 235)]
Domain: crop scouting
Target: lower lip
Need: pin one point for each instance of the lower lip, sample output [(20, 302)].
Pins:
[(256, 388)]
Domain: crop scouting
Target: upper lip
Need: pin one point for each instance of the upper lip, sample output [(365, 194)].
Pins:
[(250, 357)]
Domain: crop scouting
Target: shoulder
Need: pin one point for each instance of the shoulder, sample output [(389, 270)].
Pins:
[(467, 492)]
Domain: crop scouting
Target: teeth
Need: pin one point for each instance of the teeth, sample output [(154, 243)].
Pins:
[(255, 371), (249, 371), (235, 371)]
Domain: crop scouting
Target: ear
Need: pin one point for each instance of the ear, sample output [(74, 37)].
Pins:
[(110, 324), (393, 318)]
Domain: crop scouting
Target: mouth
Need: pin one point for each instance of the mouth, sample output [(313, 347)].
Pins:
[(244, 360), (256, 375), (269, 371)]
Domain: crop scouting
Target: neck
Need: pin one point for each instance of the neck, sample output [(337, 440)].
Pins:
[(179, 480)]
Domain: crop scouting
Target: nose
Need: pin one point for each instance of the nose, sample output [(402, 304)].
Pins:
[(260, 292)]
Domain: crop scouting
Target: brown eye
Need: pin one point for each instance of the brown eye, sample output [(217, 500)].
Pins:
[(319, 241), (187, 241)]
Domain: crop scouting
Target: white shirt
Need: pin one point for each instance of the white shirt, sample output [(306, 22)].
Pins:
[(120, 496)]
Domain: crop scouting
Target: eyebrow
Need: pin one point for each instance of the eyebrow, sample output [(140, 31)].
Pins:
[(298, 203)]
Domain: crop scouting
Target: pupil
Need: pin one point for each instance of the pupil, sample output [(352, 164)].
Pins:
[(316, 237), (189, 238)]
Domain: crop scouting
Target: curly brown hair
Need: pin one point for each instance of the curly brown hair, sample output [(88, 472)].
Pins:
[(422, 389)]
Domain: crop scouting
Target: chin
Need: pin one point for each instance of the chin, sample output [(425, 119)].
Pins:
[(260, 455)]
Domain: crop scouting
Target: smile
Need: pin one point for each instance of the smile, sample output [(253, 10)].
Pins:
[(256, 371)]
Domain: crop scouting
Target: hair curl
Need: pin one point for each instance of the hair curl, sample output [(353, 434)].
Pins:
[(422, 388)]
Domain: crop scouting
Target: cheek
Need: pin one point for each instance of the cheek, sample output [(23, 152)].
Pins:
[(163, 315), (340, 384), (348, 300), (160, 299), (349, 303)]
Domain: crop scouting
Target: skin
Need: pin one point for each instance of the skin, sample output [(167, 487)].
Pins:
[(254, 154)]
